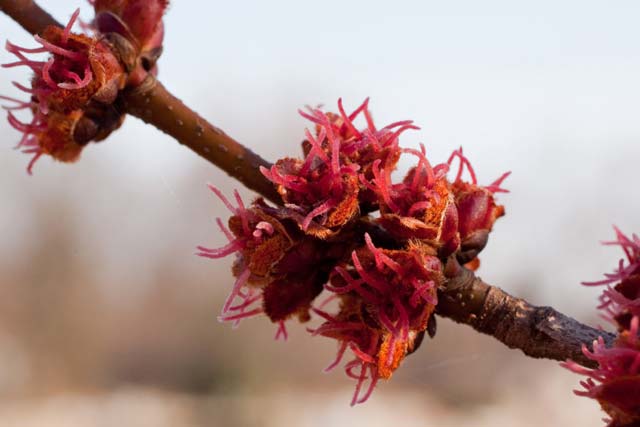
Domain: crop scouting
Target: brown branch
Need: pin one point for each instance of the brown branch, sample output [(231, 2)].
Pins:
[(28, 14), (540, 332), (152, 103)]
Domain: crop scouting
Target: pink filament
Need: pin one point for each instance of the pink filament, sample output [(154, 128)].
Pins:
[(463, 162), (57, 50), (495, 186), (421, 291), (381, 258), (341, 349), (352, 285), (21, 105), (46, 76), (79, 84), (371, 280), (67, 29), (224, 230), (316, 150), (393, 138), (382, 180), (370, 125), (347, 120), (34, 159), (222, 252), (240, 316), (33, 127), (240, 282), (323, 208), (23, 88), (223, 198), (361, 108), (282, 331), (423, 163)]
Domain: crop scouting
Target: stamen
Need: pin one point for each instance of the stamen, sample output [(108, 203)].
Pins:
[(282, 331), (222, 252), (23, 88), (67, 29), (224, 230), (246, 315), (88, 76), (358, 110), (347, 120), (57, 50), (240, 282), (372, 384), (33, 161), (223, 198), (323, 208), (338, 359), (494, 187), (45, 73), (373, 281)]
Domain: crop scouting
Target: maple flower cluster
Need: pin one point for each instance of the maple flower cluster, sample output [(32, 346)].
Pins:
[(615, 383), (73, 93), (375, 246)]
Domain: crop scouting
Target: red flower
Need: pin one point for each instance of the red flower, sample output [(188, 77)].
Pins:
[(616, 381), (80, 69), (260, 241), (421, 206), (279, 271), (323, 236), (366, 147), (324, 190), (476, 206), (622, 301), (387, 299), (69, 94)]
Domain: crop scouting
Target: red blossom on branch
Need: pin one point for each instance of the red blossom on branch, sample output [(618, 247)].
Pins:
[(386, 281), (278, 269), (615, 383), (73, 92), (80, 71), (384, 271), (386, 298)]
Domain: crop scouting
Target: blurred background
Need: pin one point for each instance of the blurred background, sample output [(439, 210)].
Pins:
[(108, 319)]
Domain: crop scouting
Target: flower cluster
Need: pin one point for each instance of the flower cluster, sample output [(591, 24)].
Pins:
[(381, 271), (615, 383), (279, 271), (73, 93)]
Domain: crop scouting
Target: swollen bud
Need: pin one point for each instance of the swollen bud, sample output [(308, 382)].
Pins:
[(138, 21)]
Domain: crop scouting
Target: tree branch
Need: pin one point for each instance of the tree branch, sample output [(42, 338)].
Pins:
[(28, 14), (152, 103), (540, 332)]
